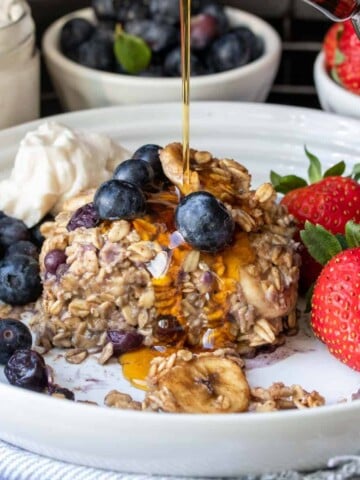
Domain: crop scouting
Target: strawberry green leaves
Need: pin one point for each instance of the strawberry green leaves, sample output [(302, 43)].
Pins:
[(314, 170), (336, 170), (323, 245), (352, 234), (133, 54), (284, 184), (287, 183)]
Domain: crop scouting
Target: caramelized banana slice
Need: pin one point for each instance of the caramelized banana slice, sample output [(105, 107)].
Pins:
[(205, 383)]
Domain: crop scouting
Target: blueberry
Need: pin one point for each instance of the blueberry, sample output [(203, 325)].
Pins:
[(19, 280), (124, 341), (228, 52), (12, 230), (252, 41), (166, 11), (27, 369), (159, 36), (97, 52), (36, 235), (23, 247), (14, 335), (172, 64), (117, 199), (216, 10), (138, 172), (150, 153), (204, 28), (128, 10), (104, 9), (53, 260), (204, 222), (75, 32), (85, 216)]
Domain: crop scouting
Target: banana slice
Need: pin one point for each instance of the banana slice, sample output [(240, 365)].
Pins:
[(205, 383), (173, 166)]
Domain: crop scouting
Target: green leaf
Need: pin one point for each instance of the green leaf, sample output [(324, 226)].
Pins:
[(133, 54), (336, 170), (287, 183), (342, 241), (274, 178), (321, 244), (339, 57), (314, 170), (352, 233), (355, 174)]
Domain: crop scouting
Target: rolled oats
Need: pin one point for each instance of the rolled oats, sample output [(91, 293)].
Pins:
[(76, 355)]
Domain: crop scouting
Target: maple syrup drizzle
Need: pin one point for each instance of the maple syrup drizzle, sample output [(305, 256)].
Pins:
[(185, 16), (168, 295)]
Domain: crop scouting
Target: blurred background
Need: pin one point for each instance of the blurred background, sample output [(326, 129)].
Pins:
[(301, 29)]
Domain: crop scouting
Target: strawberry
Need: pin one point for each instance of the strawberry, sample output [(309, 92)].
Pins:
[(335, 304), (344, 63), (330, 44), (335, 314), (330, 201)]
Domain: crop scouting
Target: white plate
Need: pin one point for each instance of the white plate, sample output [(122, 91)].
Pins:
[(263, 137)]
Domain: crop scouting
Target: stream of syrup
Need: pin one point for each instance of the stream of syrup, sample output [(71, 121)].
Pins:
[(135, 364), (185, 16)]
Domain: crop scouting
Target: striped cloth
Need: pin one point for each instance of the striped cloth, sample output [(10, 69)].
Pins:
[(18, 464)]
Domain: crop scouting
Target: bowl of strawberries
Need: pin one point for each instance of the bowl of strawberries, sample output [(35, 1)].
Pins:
[(337, 71)]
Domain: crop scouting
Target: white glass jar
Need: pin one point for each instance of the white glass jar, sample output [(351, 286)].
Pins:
[(19, 65)]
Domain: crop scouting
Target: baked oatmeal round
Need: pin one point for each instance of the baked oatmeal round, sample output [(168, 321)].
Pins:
[(140, 274)]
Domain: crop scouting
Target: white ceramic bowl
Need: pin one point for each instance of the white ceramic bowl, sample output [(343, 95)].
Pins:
[(80, 87), (334, 98)]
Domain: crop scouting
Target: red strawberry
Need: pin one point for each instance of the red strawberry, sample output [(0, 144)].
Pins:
[(335, 314), (346, 67), (330, 44), (330, 201)]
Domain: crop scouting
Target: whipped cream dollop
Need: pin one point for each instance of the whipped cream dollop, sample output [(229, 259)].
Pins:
[(54, 163), (11, 11)]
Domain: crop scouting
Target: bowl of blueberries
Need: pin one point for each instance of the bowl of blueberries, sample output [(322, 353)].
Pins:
[(128, 52)]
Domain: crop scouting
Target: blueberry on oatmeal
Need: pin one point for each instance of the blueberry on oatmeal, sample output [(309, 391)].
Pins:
[(53, 260), (85, 216), (27, 369), (19, 280), (138, 172), (150, 153), (204, 222), (124, 340), (14, 335), (117, 199)]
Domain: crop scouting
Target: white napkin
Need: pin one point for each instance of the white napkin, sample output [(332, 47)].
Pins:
[(18, 464)]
